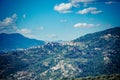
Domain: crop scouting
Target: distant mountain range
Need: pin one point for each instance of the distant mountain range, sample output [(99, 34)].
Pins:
[(16, 40), (94, 54)]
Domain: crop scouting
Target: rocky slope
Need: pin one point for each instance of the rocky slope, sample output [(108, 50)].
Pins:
[(91, 55)]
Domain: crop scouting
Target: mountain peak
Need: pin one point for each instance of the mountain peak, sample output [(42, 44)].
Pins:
[(16, 40)]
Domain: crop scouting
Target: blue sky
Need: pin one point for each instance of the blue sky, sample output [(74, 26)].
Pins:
[(52, 20)]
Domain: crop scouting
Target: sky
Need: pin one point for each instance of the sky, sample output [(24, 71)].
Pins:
[(52, 20)]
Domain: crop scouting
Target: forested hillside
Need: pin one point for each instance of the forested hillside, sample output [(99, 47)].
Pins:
[(85, 56)]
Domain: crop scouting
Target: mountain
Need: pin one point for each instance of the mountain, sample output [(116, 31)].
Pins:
[(16, 40), (94, 54), (94, 36), (102, 77)]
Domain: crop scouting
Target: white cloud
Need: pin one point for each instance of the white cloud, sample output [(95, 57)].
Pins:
[(14, 16), (85, 25), (66, 7), (24, 16), (109, 2), (26, 32), (75, 3), (8, 25), (63, 7), (7, 21), (52, 36), (91, 10), (82, 1)]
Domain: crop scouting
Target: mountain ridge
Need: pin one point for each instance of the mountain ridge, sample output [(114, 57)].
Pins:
[(16, 40), (107, 31), (93, 56)]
